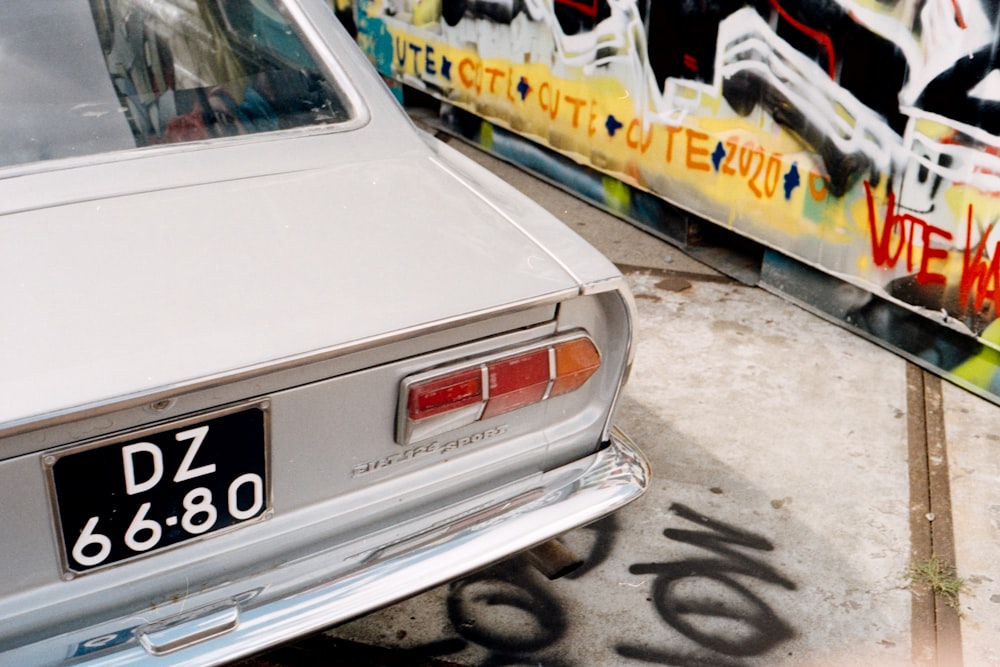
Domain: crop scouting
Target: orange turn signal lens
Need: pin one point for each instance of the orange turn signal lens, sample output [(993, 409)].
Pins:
[(576, 361)]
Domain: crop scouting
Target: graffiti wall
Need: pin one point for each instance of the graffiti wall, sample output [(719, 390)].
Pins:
[(860, 137)]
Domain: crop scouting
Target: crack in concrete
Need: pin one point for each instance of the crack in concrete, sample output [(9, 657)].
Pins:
[(935, 628)]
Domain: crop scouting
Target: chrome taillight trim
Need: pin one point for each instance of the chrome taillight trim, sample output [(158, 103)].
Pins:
[(619, 286)]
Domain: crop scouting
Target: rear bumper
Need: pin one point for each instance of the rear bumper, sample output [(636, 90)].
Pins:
[(309, 594)]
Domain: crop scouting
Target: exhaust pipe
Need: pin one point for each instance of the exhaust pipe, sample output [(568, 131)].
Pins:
[(553, 559)]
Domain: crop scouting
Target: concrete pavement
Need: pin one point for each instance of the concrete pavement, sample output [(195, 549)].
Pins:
[(799, 472)]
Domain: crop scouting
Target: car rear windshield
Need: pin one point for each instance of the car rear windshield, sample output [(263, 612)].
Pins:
[(79, 77)]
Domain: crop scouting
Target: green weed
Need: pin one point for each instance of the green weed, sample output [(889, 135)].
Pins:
[(940, 577)]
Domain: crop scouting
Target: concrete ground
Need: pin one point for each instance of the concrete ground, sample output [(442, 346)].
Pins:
[(799, 473)]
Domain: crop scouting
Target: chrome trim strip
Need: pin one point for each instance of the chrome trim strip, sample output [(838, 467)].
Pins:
[(361, 115), (553, 371), (189, 629), (314, 593), (619, 285), (484, 374), (130, 154), (140, 399)]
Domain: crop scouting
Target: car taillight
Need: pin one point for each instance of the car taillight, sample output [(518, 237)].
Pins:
[(443, 400), (518, 381), (575, 362), (451, 392)]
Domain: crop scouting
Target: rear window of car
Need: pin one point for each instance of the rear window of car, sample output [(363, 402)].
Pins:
[(79, 77)]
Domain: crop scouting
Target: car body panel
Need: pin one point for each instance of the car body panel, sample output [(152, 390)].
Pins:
[(290, 270), (310, 271), (306, 594), (309, 240)]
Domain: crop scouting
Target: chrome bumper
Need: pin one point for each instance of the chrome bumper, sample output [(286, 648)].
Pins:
[(306, 595)]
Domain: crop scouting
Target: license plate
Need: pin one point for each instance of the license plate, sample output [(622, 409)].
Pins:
[(133, 495)]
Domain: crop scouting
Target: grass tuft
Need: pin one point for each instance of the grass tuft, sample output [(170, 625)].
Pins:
[(940, 577)]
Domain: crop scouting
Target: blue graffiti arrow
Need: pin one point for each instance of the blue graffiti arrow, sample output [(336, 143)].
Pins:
[(717, 155), (792, 180), (523, 88)]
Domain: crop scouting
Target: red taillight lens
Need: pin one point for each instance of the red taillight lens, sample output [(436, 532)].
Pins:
[(517, 382), (453, 391), (492, 387)]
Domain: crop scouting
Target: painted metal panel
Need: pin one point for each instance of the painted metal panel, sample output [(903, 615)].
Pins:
[(857, 137)]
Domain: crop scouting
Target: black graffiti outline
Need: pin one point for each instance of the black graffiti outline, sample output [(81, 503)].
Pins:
[(517, 586), (515, 591), (723, 540)]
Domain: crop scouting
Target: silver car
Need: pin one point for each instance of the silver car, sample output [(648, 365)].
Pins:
[(270, 357)]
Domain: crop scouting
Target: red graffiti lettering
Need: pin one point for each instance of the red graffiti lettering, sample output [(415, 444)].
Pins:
[(905, 227), (976, 273)]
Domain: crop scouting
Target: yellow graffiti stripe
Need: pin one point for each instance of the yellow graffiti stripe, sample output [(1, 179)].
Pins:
[(981, 369), (727, 165)]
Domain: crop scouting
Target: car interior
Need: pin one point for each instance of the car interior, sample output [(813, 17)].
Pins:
[(235, 68)]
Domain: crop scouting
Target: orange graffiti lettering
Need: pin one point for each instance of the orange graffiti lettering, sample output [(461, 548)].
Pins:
[(671, 131), (746, 159), (552, 105), (818, 193), (727, 166), (644, 139), (577, 103), (772, 175), (473, 80), (752, 181), (697, 151), (494, 73)]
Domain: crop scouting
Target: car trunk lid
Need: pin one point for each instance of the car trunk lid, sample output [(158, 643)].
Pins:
[(127, 295)]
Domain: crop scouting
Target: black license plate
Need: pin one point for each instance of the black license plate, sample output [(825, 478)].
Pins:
[(133, 495)]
